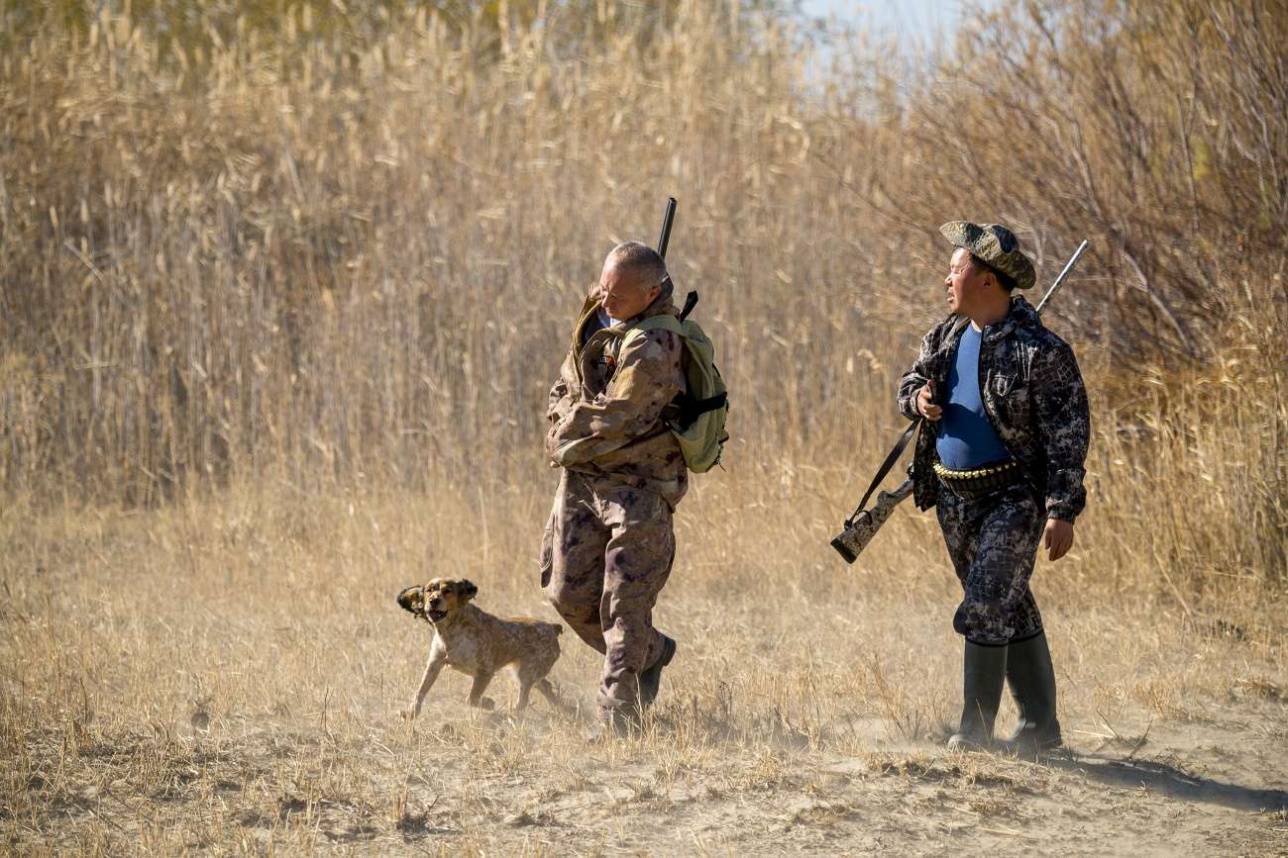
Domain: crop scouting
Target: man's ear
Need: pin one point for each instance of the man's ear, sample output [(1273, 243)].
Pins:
[(468, 590), (413, 599)]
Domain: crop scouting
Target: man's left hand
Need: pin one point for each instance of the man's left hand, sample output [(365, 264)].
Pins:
[(1057, 538)]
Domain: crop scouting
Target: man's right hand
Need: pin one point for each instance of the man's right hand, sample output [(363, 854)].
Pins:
[(926, 405)]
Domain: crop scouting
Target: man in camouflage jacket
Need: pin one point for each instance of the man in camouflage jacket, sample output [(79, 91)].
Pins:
[(609, 545), (1003, 397)]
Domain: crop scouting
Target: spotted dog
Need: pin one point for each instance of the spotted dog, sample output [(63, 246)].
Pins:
[(479, 644)]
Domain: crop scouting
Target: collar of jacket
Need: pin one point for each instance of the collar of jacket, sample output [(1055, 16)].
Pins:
[(1021, 314), (588, 310), (661, 304)]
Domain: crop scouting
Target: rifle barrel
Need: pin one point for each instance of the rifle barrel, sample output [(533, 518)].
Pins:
[(667, 220), (1059, 280)]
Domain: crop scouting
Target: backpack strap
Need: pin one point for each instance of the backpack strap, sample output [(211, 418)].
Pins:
[(691, 409), (688, 408), (711, 403), (663, 321)]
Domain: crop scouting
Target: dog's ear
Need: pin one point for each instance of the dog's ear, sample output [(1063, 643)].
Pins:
[(413, 599), (467, 590)]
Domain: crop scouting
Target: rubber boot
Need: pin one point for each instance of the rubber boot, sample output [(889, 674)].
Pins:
[(1032, 679), (983, 675)]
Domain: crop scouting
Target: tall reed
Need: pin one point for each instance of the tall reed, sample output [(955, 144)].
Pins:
[(331, 255)]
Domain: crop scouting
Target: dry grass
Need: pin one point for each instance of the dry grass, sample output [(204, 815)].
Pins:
[(228, 675), (279, 313)]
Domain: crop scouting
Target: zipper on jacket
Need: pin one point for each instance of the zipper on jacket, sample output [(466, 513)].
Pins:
[(988, 413)]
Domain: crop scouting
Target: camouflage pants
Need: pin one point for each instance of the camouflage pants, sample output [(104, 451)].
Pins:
[(606, 554), (993, 542)]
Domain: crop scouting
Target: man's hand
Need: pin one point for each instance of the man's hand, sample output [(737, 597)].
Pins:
[(1057, 539), (926, 406)]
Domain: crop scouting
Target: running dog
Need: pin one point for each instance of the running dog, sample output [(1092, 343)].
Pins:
[(479, 644)]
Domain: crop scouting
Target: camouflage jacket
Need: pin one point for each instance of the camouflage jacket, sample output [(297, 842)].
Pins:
[(606, 410), (1033, 396)]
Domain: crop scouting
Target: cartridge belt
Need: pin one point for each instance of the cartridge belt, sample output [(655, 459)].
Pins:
[(979, 481)]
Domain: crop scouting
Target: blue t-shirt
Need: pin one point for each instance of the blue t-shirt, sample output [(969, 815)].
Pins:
[(964, 438)]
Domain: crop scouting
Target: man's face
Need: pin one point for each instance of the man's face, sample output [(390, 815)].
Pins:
[(623, 293), (965, 282)]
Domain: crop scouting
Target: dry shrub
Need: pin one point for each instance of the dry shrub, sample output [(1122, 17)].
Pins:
[(331, 256)]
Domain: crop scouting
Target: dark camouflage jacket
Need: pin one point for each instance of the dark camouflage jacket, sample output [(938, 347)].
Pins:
[(1033, 395), (606, 410)]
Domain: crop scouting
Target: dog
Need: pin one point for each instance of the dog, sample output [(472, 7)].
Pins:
[(479, 644)]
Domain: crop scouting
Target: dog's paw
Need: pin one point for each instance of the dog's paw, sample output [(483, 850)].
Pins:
[(487, 704)]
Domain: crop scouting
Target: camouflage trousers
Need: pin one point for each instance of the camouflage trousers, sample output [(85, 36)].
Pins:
[(606, 554), (993, 542)]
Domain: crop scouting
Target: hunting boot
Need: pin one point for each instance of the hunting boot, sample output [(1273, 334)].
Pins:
[(983, 675), (619, 722), (1032, 680), (651, 677)]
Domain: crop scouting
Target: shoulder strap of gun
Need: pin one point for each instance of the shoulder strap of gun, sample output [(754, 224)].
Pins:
[(899, 447)]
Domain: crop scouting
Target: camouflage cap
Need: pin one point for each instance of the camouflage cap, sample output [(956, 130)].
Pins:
[(996, 245)]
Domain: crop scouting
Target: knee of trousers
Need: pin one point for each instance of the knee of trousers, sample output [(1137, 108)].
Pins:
[(984, 623), (573, 583), (569, 600)]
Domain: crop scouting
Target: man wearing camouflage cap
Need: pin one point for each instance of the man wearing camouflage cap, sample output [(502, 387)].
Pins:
[(1001, 455)]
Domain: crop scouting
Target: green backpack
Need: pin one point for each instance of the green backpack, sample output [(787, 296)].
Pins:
[(700, 423)]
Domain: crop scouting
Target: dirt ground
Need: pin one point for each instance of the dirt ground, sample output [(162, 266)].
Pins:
[(231, 680), (478, 784)]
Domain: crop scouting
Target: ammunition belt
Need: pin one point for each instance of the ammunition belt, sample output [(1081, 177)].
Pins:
[(979, 481)]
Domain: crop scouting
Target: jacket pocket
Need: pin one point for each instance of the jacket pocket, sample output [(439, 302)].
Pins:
[(1009, 397)]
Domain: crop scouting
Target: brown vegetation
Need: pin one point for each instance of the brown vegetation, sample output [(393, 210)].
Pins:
[(279, 307)]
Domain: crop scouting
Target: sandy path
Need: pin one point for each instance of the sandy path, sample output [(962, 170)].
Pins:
[(1216, 787)]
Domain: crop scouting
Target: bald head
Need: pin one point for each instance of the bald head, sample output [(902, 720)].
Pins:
[(639, 261), (632, 278)]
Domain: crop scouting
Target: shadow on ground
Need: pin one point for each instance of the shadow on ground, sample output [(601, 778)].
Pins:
[(1172, 782)]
